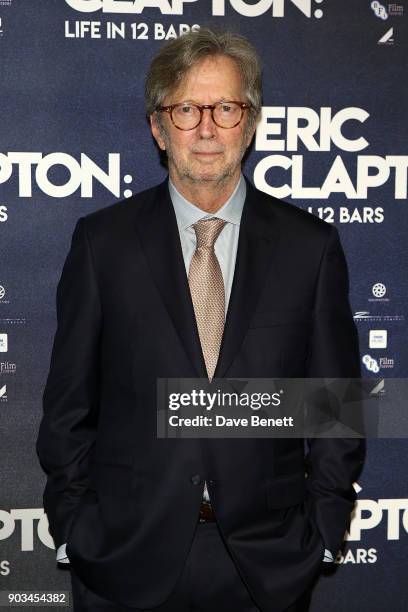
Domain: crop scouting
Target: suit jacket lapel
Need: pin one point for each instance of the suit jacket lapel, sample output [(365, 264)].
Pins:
[(257, 245), (160, 239)]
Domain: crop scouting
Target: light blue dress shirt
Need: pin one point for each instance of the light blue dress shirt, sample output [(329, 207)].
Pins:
[(225, 248), (226, 245)]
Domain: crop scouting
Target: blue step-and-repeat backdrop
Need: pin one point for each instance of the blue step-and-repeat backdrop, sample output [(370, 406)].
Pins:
[(332, 140)]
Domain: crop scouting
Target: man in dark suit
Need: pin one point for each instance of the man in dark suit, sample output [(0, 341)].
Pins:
[(201, 276)]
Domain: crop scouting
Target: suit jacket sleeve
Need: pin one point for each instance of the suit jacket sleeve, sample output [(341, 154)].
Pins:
[(70, 399), (333, 464)]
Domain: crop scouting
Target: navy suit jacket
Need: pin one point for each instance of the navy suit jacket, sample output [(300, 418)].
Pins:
[(126, 502)]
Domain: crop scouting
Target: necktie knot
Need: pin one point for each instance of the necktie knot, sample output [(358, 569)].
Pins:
[(207, 231)]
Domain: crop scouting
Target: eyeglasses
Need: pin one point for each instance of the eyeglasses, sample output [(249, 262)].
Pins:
[(185, 116)]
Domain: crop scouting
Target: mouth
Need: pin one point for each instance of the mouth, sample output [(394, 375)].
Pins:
[(207, 153)]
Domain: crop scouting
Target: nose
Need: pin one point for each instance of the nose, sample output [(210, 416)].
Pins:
[(207, 127)]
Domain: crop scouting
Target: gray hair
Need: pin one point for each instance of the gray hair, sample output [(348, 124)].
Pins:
[(177, 56)]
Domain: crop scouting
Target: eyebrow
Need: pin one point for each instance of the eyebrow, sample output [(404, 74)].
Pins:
[(189, 101)]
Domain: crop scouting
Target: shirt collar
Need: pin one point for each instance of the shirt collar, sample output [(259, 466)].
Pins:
[(187, 213)]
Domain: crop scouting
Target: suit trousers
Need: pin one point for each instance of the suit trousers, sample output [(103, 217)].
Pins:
[(209, 582)]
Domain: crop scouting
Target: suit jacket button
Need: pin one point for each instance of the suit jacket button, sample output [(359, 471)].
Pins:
[(196, 479)]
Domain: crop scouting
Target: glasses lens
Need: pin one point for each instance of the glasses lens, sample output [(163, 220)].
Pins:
[(186, 116), (227, 114)]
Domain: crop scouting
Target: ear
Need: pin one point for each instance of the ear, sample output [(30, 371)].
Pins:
[(156, 131), (251, 134), (253, 130)]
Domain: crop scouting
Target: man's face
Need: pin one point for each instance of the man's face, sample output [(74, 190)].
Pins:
[(208, 152)]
